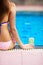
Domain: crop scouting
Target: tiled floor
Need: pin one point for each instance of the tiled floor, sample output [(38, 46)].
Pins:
[(32, 57), (10, 57), (21, 57)]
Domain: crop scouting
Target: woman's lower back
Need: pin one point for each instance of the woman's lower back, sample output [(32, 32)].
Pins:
[(5, 38), (4, 35)]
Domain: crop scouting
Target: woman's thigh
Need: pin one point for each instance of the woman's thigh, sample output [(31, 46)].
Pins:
[(12, 45)]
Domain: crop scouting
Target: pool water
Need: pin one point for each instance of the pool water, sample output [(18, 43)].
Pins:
[(30, 24)]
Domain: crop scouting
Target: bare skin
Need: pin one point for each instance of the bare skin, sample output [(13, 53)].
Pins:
[(5, 35)]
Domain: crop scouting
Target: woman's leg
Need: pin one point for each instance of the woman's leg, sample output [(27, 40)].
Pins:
[(12, 45)]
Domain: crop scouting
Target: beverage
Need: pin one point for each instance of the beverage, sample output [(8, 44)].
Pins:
[(31, 40)]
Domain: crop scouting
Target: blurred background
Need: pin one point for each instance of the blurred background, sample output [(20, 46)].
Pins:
[(27, 2), (29, 21)]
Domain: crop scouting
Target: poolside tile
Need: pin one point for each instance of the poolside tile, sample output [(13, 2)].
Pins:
[(32, 57), (10, 57)]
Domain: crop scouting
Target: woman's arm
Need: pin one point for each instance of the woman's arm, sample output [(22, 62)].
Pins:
[(14, 30), (13, 25)]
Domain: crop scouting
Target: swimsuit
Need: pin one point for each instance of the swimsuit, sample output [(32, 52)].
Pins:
[(5, 45)]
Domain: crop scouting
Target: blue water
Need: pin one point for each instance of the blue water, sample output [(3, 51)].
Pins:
[(30, 24)]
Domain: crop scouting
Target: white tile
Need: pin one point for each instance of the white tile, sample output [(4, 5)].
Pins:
[(10, 57), (32, 57)]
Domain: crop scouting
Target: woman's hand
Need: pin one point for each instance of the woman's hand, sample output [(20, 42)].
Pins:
[(28, 46)]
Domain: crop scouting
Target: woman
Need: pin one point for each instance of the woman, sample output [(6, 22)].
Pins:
[(8, 13)]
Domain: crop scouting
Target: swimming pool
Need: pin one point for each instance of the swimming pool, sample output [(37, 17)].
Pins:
[(30, 24)]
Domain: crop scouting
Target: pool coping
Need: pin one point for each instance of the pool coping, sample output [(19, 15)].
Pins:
[(29, 8)]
